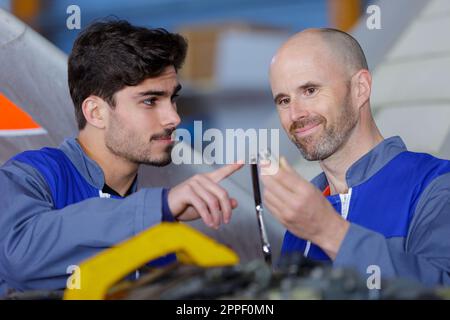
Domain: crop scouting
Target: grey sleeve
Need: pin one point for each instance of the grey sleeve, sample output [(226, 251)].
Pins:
[(38, 243), (423, 256)]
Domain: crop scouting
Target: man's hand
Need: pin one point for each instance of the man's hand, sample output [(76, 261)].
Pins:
[(202, 196), (303, 210)]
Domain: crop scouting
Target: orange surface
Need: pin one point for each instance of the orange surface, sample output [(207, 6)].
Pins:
[(26, 10), (14, 118), (344, 14), (327, 191)]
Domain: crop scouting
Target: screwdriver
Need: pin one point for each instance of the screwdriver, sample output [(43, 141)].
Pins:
[(267, 252)]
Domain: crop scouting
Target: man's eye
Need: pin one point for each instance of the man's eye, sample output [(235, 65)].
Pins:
[(150, 101), (310, 91), (283, 102)]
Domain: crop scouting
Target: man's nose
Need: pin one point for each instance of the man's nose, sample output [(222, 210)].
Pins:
[(298, 110), (169, 116)]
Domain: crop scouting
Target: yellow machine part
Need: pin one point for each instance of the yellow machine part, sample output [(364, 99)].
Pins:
[(101, 272)]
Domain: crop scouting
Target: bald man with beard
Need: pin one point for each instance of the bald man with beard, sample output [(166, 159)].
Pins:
[(375, 203)]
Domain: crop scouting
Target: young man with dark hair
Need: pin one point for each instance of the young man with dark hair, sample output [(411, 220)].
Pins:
[(63, 205)]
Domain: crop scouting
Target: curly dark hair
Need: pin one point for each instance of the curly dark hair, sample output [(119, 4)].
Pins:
[(109, 55)]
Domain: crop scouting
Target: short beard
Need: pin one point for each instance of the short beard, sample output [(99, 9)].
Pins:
[(334, 136), (127, 145)]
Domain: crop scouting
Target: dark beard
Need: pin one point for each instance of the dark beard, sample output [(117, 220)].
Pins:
[(121, 144)]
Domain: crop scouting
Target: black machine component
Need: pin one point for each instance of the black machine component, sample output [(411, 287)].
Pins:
[(296, 277)]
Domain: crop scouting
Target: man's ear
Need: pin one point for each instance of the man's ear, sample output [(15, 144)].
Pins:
[(95, 111), (362, 85)]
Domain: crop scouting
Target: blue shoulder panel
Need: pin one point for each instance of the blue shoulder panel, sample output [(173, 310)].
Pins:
[(386, 202), (67, 185)]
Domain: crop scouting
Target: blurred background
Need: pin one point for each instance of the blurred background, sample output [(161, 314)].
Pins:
[(231, 42), (225, 76)]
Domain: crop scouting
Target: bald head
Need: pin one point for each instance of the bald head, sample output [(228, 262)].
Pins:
[(321, 87), (331, 44), (345, 47)]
